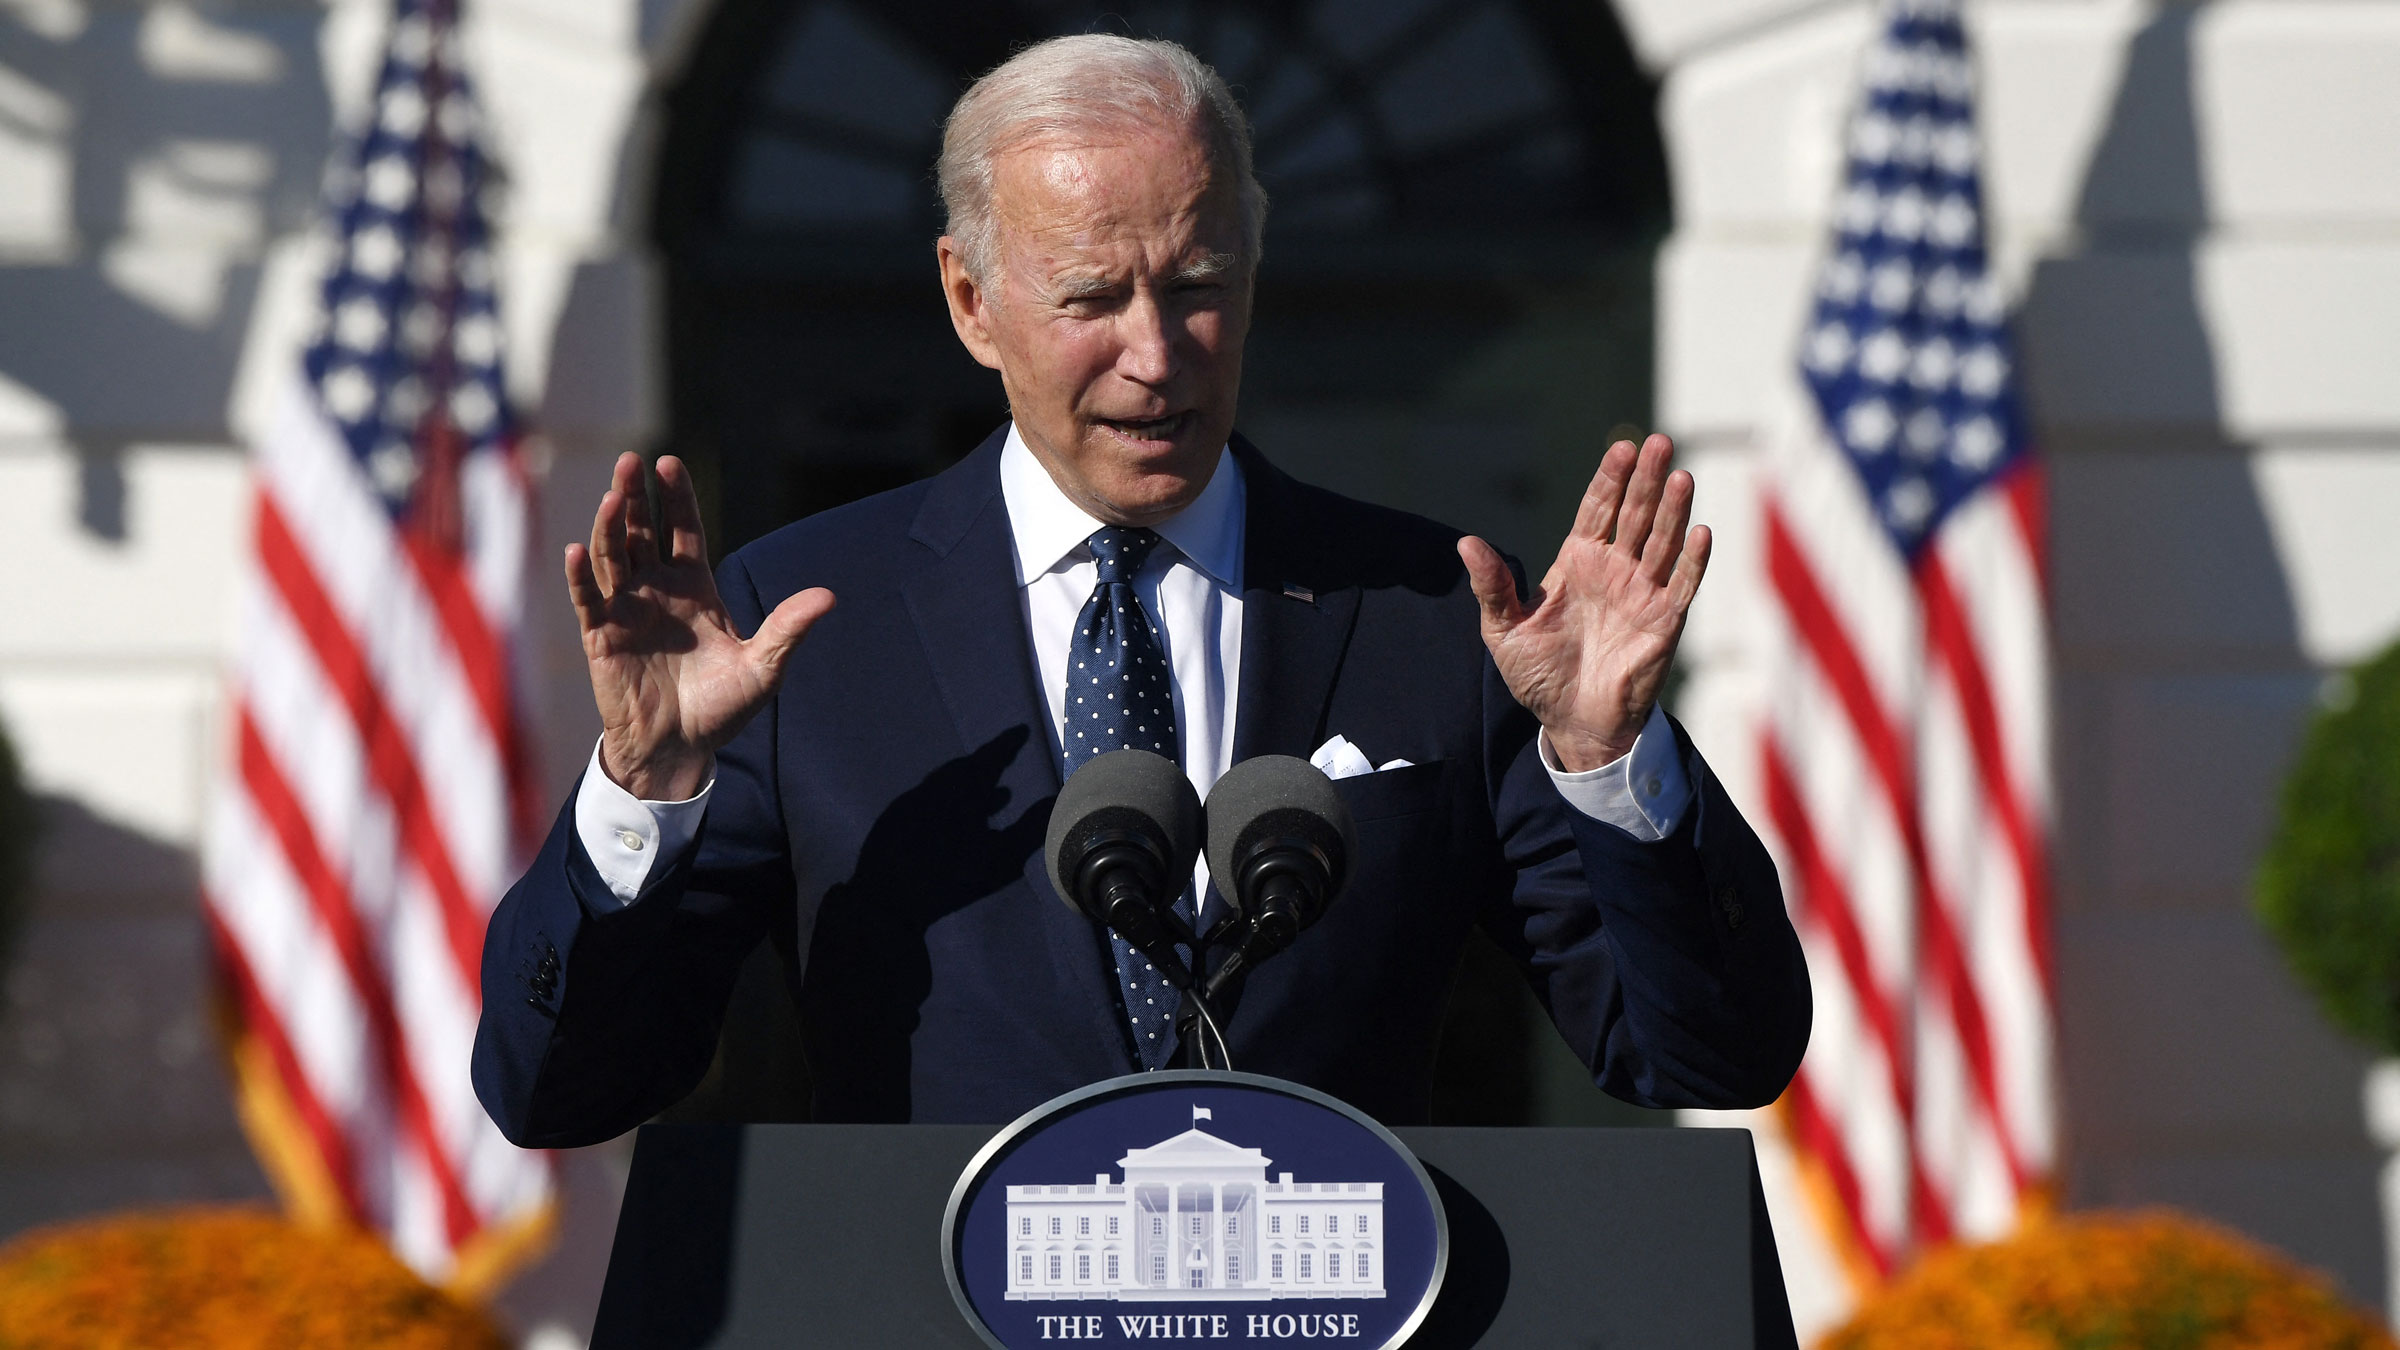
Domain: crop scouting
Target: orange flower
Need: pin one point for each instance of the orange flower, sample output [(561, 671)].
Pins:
[(2146, 1281), (221, 1279)]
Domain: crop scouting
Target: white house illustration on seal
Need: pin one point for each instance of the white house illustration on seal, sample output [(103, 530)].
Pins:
[(1196, 1220)]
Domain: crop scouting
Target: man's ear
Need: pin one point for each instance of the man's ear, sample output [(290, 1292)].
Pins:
[(970, 304)]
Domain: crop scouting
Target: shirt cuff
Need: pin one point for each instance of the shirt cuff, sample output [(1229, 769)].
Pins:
[(625, 836), (1642, 792)]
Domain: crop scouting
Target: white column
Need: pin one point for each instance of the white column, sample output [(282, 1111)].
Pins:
[(1217, 1200)]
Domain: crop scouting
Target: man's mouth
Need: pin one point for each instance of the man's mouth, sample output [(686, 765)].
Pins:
[(1151, 429)]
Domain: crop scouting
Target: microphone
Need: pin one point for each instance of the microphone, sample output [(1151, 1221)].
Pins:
[(1280, 842), (1123, 836)]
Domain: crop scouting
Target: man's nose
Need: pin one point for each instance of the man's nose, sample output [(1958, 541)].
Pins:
[(1146, 353)]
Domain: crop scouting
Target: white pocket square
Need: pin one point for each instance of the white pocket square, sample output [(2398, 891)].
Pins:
[(1338, 758)]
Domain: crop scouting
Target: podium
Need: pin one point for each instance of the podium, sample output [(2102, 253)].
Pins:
[(830, 1235)]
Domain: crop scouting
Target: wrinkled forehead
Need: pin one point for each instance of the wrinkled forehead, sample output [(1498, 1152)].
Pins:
[(1155, 187)]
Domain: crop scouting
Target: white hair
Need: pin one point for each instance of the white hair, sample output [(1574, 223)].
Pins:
[(1075, 86)]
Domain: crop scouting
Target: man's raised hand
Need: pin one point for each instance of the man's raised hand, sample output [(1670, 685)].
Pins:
[(1589, 655), (674, 681)]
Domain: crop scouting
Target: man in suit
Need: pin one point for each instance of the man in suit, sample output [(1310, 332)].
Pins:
[(1117, 567)]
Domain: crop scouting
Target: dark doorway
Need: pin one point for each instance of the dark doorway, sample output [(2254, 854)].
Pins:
[(1454, 312)]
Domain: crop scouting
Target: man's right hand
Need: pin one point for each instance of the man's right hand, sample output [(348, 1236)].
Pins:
[(674, 681)]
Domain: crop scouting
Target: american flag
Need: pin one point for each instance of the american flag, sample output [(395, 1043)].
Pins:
[(1904, 745), (376, 796)]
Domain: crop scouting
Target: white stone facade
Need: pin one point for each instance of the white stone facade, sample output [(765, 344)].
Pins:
[(2198, 218), (1196, 1219)]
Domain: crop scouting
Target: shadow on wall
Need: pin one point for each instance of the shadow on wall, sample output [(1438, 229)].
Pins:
[(2193, 1072), (112, 1090), (168, 148)]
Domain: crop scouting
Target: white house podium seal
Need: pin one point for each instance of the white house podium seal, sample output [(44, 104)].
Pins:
[(1190, 1207)]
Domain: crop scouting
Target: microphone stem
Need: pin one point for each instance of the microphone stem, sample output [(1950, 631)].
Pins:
[(1126, 902)]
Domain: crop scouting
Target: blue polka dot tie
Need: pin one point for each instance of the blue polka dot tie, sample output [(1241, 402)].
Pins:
[(1118, 696)]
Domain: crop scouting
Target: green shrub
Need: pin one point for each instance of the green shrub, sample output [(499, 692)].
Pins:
[(2329, 888)]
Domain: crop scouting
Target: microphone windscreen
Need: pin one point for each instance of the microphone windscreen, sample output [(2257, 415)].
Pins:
[(1131, 790), (1277, 795)]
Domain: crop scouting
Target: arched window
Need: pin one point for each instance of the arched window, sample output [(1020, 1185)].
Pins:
[(1444, 174)]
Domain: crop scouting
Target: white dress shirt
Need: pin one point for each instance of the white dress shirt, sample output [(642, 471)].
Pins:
[(1192, 590)]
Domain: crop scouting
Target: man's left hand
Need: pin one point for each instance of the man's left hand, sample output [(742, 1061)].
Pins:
[(1589, 654)]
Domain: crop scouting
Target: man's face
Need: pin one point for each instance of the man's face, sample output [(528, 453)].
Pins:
[(1115, 315)]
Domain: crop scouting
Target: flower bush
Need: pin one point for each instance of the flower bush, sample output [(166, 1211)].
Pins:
[(221, 1279), (2329, 886), (2143, 1281)]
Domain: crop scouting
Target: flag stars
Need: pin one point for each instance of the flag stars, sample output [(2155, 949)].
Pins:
[(1944, 293), (393, 469), (1905, 351), (1891, 285), (1976, 444), (360, 324), (1860, 208), (1904, 215), (1845, 275), (377, 252), (1869, 425), (1982, 301), (389, 181), (349, 393), (1934, 364), (1908, 504), (1883, 356), (402, 114), (1954, 221), (474, 408), (1983, 371), (1926, 433)]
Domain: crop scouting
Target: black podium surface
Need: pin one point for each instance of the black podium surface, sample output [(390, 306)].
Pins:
[(830, 1235)]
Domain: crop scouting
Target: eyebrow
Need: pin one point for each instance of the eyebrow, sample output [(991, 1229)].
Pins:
[(1083, 287), (1209, 266)]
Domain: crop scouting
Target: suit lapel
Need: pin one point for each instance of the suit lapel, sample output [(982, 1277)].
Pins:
[(971, 624), (1298, 607)]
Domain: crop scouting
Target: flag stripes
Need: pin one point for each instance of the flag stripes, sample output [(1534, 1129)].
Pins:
[(1903, 750), (377, 796)]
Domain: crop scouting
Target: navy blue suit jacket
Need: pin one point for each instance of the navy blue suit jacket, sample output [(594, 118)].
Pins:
[(882, 822)]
